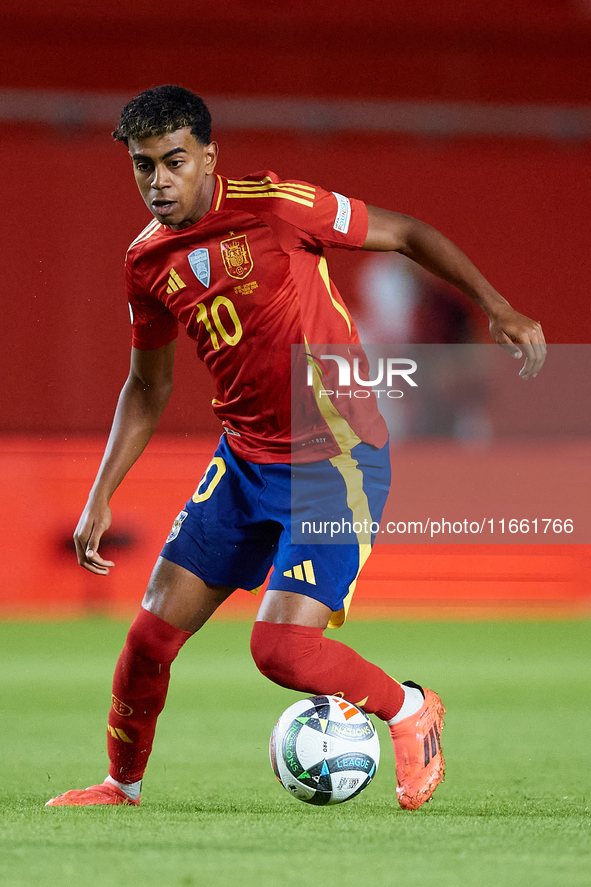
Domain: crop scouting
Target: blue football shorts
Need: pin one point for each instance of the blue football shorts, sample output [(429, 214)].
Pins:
[(313, 525)]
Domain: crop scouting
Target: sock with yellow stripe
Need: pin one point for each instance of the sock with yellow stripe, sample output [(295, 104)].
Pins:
[(300, 658), (140, 685)]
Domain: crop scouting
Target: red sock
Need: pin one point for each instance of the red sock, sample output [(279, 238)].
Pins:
[(140, 685), (300, 658)]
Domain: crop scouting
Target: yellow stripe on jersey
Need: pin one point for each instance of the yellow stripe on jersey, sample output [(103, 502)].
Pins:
[(303, 194), (309, 190), (323, 269), (357, 501), (339, 427), (146, 233), (220, 193), (243, 195), (257, 187)]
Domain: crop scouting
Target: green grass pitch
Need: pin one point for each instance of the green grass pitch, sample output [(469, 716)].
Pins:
[(514, 809)]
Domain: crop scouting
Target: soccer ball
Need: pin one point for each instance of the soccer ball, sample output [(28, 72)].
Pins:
[(324, 750)]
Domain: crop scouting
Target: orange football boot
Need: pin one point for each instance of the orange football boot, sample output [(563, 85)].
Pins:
[(417, 747), (106, 793)]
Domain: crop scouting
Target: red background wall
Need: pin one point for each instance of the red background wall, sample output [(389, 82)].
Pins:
[(498, 51), (43, 485)]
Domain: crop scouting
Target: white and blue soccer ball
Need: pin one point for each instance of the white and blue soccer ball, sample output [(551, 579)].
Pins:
[(324, 750)]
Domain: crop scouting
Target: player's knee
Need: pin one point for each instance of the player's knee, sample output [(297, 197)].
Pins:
[(265, 648), (285, 653), (152, 638)]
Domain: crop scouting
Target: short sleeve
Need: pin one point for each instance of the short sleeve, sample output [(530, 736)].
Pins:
[(338, 220), (152, 324), (322, 218)]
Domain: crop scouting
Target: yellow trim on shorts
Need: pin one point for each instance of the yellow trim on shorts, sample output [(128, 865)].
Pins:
[(352, 475), (359, 505), (353, 478)]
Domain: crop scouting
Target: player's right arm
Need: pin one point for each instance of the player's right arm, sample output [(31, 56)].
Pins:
[(141, 403)]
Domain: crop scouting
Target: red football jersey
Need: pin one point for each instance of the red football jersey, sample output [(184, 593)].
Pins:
[(248, 281)]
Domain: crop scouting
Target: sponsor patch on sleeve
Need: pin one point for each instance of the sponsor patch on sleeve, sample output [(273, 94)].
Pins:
[(343, 216)]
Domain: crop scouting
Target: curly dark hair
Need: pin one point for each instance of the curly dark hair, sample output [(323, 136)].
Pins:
[(161, 110)]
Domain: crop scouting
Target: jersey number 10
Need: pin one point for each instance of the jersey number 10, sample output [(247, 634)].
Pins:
[(203, 317)]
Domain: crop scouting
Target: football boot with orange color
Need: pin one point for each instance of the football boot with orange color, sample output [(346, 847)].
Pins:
[(95, 794), (417, 748)]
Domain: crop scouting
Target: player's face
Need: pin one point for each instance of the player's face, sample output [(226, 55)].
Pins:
[(175, 176)]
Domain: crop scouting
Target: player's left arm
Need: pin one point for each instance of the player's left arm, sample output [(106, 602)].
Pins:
[(513, 331)]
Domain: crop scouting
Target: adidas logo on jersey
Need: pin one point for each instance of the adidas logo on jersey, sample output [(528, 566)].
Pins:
[(304, 572), (175, 282)]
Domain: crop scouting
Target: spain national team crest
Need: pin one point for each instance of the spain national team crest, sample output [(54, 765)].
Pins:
[(236, 255)]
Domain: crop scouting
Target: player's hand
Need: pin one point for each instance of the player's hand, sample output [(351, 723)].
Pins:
[(94, 522), (520, 336)]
